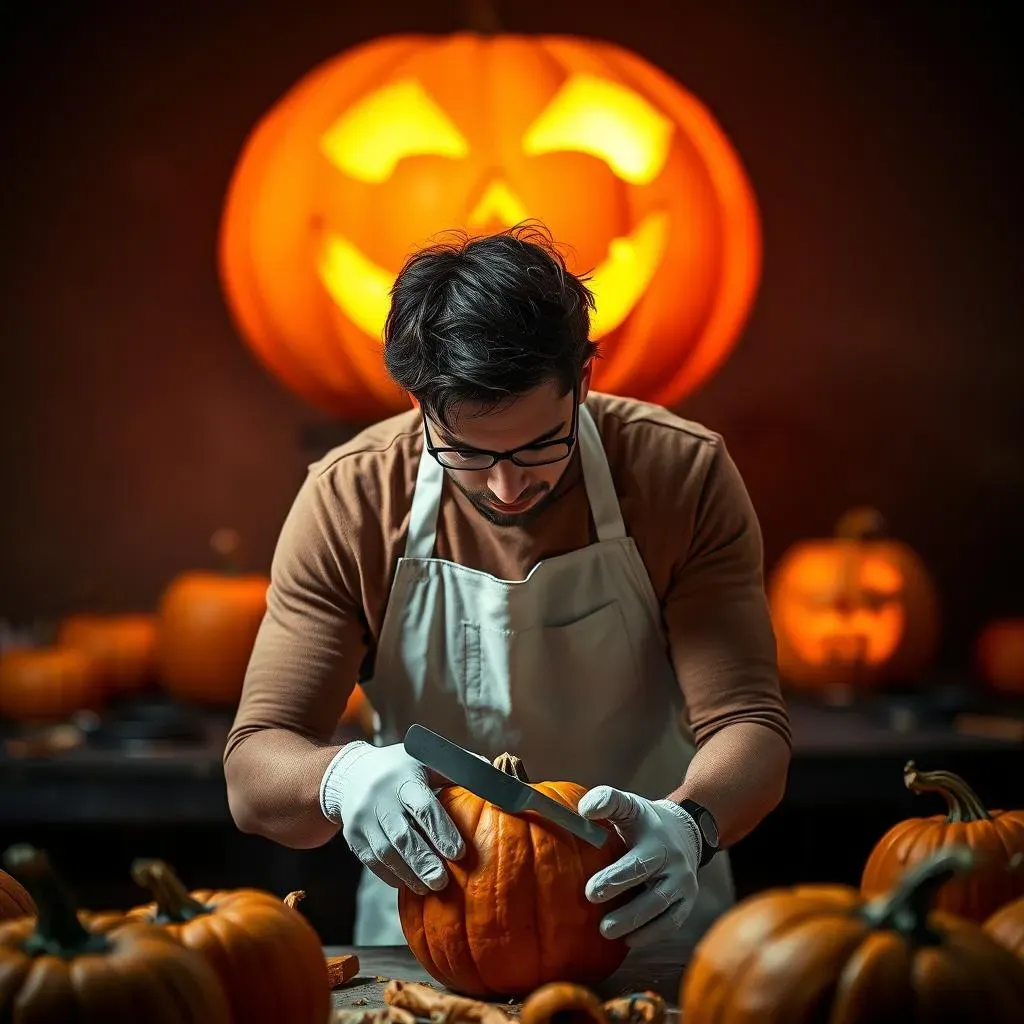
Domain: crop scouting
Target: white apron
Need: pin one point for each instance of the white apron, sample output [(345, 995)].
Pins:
[(567, 668)]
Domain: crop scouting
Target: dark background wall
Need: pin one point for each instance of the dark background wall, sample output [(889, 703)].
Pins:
[(883, 361)]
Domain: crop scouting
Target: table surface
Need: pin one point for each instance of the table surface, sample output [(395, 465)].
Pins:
[(380, 964)]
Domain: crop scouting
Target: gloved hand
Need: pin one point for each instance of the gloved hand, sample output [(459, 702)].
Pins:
[(391, 818), (664, 851)]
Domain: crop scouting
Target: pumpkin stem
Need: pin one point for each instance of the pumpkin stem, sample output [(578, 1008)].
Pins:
[(227, 546), (58, 930), (481, 17), (173, 902), (861, 523), (293, 899), (905, 909), (962, 801), (511, 765)]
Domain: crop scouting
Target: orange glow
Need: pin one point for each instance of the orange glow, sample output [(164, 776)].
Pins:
[(376, 151)]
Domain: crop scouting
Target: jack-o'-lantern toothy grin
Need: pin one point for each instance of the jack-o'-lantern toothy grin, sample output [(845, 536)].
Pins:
[(362, 289)]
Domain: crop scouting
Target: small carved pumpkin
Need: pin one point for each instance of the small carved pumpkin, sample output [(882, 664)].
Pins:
[(269, 958), (123, 647), (14, 899), (513, 915), (207, 625), (67, 965), (855, 611), (48, 684), (999, 656), (376, 151), (994, 836), (822, 953)]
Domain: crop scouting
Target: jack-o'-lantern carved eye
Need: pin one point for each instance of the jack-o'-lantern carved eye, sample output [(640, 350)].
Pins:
[(597, 116), (396, 121)]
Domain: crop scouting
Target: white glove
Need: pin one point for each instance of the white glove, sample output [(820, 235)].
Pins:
[(391, 818), (664, 851)]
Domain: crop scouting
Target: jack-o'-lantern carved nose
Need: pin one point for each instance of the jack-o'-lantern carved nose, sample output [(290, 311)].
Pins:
[(498, 207)]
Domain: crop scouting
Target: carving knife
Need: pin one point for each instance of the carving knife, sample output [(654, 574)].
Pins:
[(482, 778)]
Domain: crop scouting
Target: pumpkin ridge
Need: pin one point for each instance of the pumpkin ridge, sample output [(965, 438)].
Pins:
[(439, 956)]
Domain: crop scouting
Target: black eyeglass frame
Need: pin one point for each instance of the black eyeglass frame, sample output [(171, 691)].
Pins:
[(568, 439)]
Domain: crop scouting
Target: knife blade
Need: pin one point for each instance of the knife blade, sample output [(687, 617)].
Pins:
[(482, 778)]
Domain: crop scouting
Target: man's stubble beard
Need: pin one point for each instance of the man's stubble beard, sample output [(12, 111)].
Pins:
[(478, 499)]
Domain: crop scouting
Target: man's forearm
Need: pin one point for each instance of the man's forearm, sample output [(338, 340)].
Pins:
[(739, 774), (273, 784)]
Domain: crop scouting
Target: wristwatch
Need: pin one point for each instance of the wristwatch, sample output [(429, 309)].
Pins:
[(706, 826)]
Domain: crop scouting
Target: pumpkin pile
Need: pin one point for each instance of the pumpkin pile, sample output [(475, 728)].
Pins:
[(239, 956), (530, 922)]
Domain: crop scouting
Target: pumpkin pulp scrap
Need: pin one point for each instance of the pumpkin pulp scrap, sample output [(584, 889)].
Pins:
[(58, 931)]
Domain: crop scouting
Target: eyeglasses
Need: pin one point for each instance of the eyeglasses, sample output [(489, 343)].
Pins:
[(544, 453)]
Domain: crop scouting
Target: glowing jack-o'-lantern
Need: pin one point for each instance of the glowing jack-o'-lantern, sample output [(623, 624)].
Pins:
[(856, 610), (376, 152)]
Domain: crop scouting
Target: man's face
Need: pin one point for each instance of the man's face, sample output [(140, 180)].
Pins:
[(507, 494)]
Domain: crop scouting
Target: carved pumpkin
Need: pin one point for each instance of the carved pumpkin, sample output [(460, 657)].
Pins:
[(858, 610), (999, 656), (513, 915), (66, 965), (821, 953), (994, 836), (378, 150), (14, 899), (48, 684), (269, 958), (206, 627), (1006, 925), (123, 646)]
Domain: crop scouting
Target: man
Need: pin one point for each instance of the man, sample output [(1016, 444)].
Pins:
[(520, 564)]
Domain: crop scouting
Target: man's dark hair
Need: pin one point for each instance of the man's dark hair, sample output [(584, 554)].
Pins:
[(486, 319)]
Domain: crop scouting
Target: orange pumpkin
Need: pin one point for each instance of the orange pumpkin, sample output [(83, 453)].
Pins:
[(821, 953), (375, 151), (513, 915), (1006, 925), (999, 656), (48, 684), (995, 837), (123, 646), (14, 899), (359, 711), (268, 957), (206, 627), (68, 965), (855, 611)]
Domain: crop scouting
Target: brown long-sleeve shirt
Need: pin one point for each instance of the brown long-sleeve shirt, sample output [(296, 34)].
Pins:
[(683, 502)]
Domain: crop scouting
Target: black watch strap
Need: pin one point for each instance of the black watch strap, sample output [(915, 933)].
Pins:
[(706, 826)]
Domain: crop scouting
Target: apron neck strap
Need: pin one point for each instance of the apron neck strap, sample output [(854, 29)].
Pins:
[(426, 500), (597, 478)]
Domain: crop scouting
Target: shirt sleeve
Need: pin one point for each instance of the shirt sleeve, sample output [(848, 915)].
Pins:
[(716, 612), (303, 668)]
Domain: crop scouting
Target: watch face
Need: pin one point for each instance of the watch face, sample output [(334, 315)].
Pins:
[(708, 827)]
